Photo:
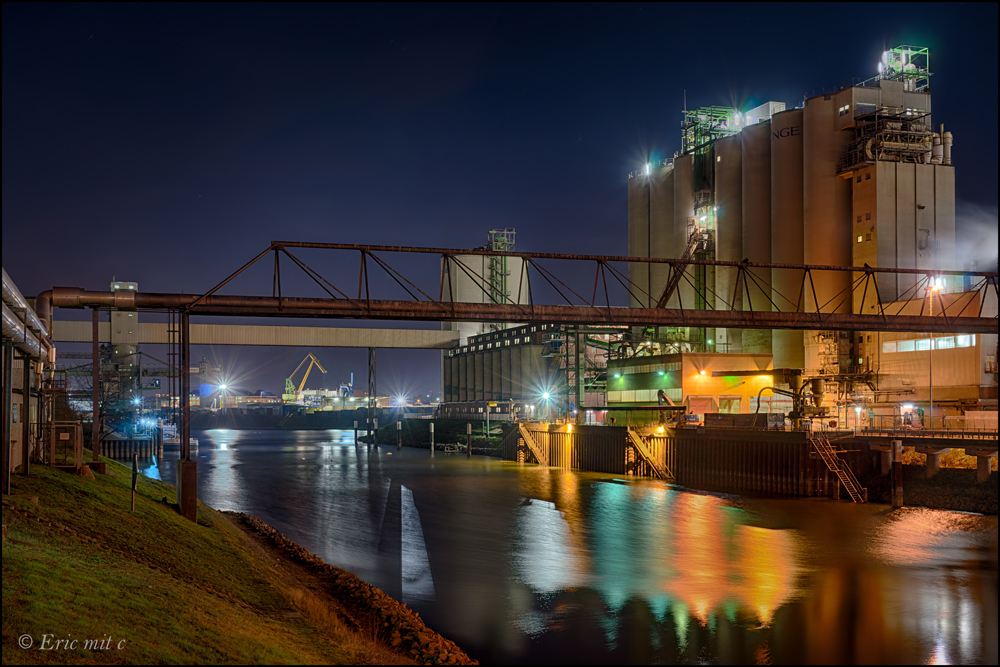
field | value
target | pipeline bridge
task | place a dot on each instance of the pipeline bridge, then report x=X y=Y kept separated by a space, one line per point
x=544 y=294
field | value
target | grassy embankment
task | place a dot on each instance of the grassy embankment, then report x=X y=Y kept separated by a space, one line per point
x=416 y=433
x=78 y=565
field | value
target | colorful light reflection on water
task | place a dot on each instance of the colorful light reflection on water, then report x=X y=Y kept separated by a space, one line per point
x=530 y=565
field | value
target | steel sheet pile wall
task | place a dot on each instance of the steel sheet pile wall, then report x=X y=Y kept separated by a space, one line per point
x=767 y=463
x=589 y=448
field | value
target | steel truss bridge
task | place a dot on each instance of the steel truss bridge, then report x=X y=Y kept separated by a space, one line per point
x=857 y=307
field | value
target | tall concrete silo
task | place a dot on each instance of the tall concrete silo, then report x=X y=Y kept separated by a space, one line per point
x=756 y=169
x=479 y=279
x=729 y=232
x=826 y=223
x=683 y=216
x=786 y=228
x=638 y=238
x=661 y=227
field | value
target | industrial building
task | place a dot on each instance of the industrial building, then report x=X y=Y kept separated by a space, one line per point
x=859 y=174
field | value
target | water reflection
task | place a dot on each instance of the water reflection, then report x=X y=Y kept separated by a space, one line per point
x=522 y=564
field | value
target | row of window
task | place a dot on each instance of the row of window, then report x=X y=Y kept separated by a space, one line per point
x=868 y=216
x=643 y=395
x=945 y=343
x=868 y=177
x=647 y=368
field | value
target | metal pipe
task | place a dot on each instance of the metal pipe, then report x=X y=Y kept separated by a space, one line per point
x=16 y=331
x=13 y=298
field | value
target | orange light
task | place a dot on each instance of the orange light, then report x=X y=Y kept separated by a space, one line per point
x=701 y=372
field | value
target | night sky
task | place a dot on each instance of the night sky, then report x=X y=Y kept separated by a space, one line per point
x=167 y=144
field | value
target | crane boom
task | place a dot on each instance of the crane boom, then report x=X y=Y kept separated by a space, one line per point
x=290 y=389
x=306 y=376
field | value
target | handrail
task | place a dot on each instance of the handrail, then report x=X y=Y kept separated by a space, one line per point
x=541 y=457
x=637 y=441
x=840 y=468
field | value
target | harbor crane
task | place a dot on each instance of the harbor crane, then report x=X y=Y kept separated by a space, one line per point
x=292 y=393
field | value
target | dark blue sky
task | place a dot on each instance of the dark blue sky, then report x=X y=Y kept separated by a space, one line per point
x=168 y=143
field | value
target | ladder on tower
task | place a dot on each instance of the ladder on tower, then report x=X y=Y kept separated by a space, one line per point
x=828 y=453
x=675 y=276
x=540 y=456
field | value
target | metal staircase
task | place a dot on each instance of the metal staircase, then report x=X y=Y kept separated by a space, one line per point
x=695 y=239
x=640 y=446
x=828 y=453
x=540 y=456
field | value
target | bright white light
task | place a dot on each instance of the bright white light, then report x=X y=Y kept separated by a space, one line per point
x=647 y=170
x=222 y=387
x=880 y=67
x=908 y=406
x=703 y=218
x=136 y=400
x=545 y=396
x=858 y=410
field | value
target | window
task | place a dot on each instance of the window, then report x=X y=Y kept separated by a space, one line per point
x=859 y=178
x=860 y=239
x=923 y=344
x=859 y=218
x=868 y=216
x=889 y=346
x=965 y=340
x=868 y=176
x=945 y=343
x=904 y=346
x=718 y=158
x=868 y=236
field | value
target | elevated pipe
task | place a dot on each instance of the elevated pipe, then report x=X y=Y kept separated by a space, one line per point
x=13 y=298
x=264 y=306
x=15 y=330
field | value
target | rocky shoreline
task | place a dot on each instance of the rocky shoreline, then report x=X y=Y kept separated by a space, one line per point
x=400 y=627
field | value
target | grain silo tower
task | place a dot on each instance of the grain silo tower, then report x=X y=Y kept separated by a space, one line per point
x=855 y=175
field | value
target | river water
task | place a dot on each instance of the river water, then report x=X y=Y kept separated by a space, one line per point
x=519 y=564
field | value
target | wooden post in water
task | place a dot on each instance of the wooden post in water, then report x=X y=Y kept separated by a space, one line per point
x=399 y=435
x=432 y=439
x=468 y=437
x=355 y=431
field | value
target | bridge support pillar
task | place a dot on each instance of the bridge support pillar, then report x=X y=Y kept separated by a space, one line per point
x=897 y=473
x=885 y=458
x=984 y=461
x=983 y=468
x=187 y=489
x=432 y=438
x=933 y=464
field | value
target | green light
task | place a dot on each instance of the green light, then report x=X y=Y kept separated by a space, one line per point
x=618 y=375
x=660 y=372
x=710 y=341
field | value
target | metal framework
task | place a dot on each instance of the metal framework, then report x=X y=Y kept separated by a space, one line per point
x=844 y=311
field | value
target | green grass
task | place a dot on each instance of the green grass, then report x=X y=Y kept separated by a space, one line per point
x=175 y=591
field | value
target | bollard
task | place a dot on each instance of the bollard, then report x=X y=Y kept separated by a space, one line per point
x=432 y=438
x=399 y=435
x=897 y=473
x=468 y=436
x=375 y=433
x=355 y=431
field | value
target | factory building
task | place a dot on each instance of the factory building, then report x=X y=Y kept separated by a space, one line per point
x=857 y=175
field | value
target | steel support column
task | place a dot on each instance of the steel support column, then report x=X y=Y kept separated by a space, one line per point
x=185 y=397
x=8 y=397
x=95 y=427
x=25 y=412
